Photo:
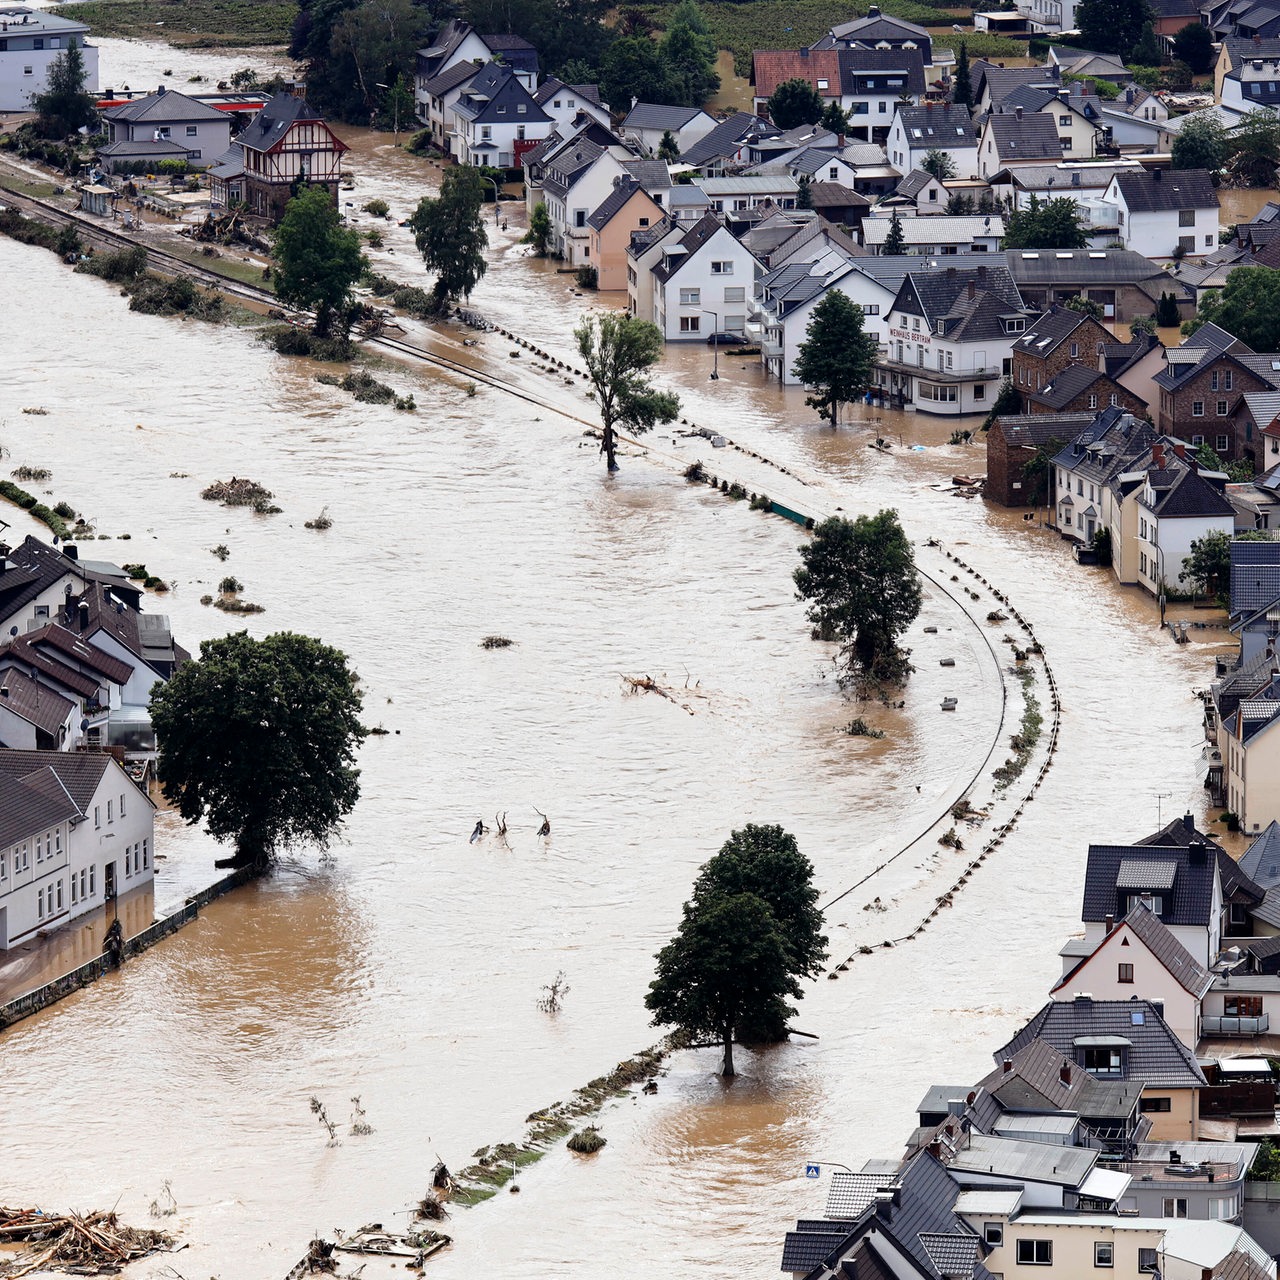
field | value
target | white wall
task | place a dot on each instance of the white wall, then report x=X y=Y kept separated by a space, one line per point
x=24 y=72
x=697 y=274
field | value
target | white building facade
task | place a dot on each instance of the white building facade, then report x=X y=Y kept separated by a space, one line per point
x=30 y=41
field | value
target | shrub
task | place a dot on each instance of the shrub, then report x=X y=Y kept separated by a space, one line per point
x=378 y=208
x=230 y=585
x=31 y=473
x=587 y=1141
x=587 y=276
x=367 y=389
x=119 y=266
x=291 y=341
x=65 y=510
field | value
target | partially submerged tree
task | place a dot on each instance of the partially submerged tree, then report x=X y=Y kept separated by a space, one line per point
x=619 y=350
x=859 y=578
x=258 y=737
x=64 y=107
x=318 y=260
x=539 y=233
x=795 y=102
x=836 y=357
x=1254 y=145
x=450 y=235
x=1208 y=568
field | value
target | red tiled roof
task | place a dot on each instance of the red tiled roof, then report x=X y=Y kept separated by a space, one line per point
x=770 y=67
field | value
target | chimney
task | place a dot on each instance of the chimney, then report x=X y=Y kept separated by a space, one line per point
x=804 y=53
x=885 y=1200
x=935 y=1149
x=160 y=92
x=1157 y=456
x=973 y=292
x=1197 y=853
x=951 y=271
x=1007 y=1065
x=1129 y=96
x=84 y=615
x=1179 y=450
x=1110 y=923
x=1188 y=822
x=1017 y=111
x=1064 y=1073
x=1257 y=42
x=1077 y=89
x=1082 y=998
x=982 y=274
x=1157 y=175
x=71 y=551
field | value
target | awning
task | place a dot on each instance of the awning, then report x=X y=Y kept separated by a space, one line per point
x=1244 y=1066
x=1105 y=1184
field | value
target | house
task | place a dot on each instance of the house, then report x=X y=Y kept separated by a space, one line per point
x=1087 y=65
x=1166 y=214
x=1141 y=955
x=1123 y=283
x=35 y=579
x=565 y=103
x=459 y=44
x=933 y=127
x=879 y=31
x=938 y=236
x=702 y=283
x=1124 y=1040
x=226 y=178
x=538 y=159
x=919 y=194
x=1082 y=181
x=439 y=95
x=1011 y=138
x=1255 y=595
x=1081 y=388
x=874 y=81
x=75 y=832
x=497 y=119
x=735 y=194
x=30 y=42
x=1081 y=473
x=726 y=146
x=1016 y=440
x=1250 y=749
x=1054 y=341
x=1254 y=82
x=687 y=203
x=287 y=143
x=647 y=122
x=950 y=331
x=837 y=204
x=1078 y=116
x=1202 y=386
x=1234 y=50
x=165 y=125
x=818 y=68
x=627 y=208
x=575 y=182
x=993 y=82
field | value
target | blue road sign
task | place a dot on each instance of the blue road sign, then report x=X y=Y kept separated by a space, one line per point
x=813 y=1171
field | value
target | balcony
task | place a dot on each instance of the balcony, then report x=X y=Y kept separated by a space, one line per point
x=930 y=373
x=771 y=350
x=1234 y=1026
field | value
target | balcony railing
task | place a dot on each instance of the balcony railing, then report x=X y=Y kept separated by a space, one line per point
x=1233 y=1026
x=933 y=374
x=771 y=350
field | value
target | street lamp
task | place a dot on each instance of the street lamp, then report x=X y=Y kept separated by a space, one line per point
x=715 y=345
x=1160 y=584
x=387 y=87
x=493 y=182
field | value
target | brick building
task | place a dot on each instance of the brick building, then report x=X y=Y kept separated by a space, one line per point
x=1014 y=441
x=1081 y=389
x=1055 y=340
x=1202 y=387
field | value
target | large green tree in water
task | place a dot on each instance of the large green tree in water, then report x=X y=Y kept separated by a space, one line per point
x=318 y=260
x=258 y=738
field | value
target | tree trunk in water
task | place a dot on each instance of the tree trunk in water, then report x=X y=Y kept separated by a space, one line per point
x=324 y=318
x=727 y=1069
x=610 y=446
x=835 y=414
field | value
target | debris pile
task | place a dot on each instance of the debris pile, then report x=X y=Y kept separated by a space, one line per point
x=238 y=492
x=84 y=1245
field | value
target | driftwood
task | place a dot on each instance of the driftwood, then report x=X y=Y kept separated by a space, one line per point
x=647 y=684
x=545 y=829
x=64 y=1242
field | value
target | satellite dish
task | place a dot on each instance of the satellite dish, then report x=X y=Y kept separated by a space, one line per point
x=84 y=724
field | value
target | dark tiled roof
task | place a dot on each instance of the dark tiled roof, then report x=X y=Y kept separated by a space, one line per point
x=857 y=64
x=1027 y=137
x=878 y=26
x=23 y=652
x=1188 y=493
x=1073 y=381
x=724 y=139
x=1036 y=429
x=944 y=295
x=68 y=644
x=33 y=700
x=1040 y=1077
x=804 y=1250
x=79 y=772
x=30 y=569
x=564 y=169
x=166 y=107
x=1157 y=192
x=827 y=195
x=1002 y=81
x=1189 y=903
x=1159 y=940
x=1156 y=1057
x=496 y=94
x=940 y=126
x=1083 y=266
x=275 y=119
x=457 y=74
x=652 y=115
x=691 y=242
x=1261 y=861
x=1049 y=331
x=26 y=810
x=613 y=203
x=652 y=175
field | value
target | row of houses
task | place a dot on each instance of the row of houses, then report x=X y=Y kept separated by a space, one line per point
x=78 y=664
x=1109 y=1135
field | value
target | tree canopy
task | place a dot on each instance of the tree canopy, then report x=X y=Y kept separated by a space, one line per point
x=633 y=68
x=1147 y=51
x=835 y=117
x=836 y=358
x=1255 y=149
x=939 y=164
x=895 y=242
x=619 y=350
x=859 y=578
x=569 y=37
x=1248 y=306
x=318 y=260
x=1193 y=44
x=689 y=55
x=258 y=737
x=795 y=102
x=1201 y=143
x=1208 y=568
x=1112 y=26
x=750 y=930
x=64 y=107
x=450 y=235
x=1047 y=224
x=962 y=83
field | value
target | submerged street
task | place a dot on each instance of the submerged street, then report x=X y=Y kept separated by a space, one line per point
x=404 y=967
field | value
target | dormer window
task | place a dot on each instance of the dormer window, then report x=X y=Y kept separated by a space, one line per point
x=1015 y=326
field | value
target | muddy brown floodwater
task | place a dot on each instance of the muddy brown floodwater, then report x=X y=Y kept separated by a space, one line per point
x=405 y=967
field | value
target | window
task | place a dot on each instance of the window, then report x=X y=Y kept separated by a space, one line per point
x=1113 y=399
x=735 y=294
x=1148 y=1260
x=1186 y=217
x=1208 y=242
x=1156 y=903
x=145 y=856
x=822 y=84
x=1155 y=1104
x=165 y=132
x=57 y=841
x=122 y=804
x=74 y=896
x=83 y=881
x=193 y=131
x=690 y=324
x=110 y=808
x=1075 y=350
x=1242 y=1006
x=1222 y=413
x=1197 y=408
x=579 y=217
x=38 y=42
x=39 y=904
x=1104 y=1253
x=1175 y=1207
x=26 y=71
x=556 y=104
x=915 y=323
x=1187 y=243
x=1197 y=441
x=1064 y=122
x=4 y=866
x=1102 y=1062
x=1224 y=443
x=980 y=391
x=1125 y=973
x=1079 y=487
x=993 y=1233
x=1221 y=1207
x=1213 y=381
x=39 y=848
x=1093 y=402
x=1142 y=567
x=722 y=268
x=1226 y=380
x=93 y=875
x=97 y=817
x=690 y=297
x=486 y=132
x=1014 y=326
x=939 y=395
x=1035 y=1253
x=59 y=895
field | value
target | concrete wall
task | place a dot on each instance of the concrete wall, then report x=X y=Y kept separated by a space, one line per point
x=24 y=72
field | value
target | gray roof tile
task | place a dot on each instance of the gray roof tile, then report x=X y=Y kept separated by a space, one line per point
x=1155 y=191
x=1261 y=861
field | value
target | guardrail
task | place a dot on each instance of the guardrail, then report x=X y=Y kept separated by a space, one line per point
x=77 y=979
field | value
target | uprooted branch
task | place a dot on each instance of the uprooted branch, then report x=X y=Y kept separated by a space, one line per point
x=72 y=1241
x=647 y=684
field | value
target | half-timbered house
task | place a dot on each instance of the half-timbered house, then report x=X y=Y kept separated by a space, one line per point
x=286 y=146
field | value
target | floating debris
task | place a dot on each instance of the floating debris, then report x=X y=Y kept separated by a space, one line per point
x=237 y=492
x=85 y=1245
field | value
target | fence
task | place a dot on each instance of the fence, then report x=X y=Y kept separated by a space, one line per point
x=51 y=992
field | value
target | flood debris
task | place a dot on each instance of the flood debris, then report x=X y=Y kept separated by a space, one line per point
x=555 y=991
x=240 y=492
x=647 y=684
x=87 y=1244
x=587 y=1142
x=321 y=522
x=545 y=829
x=496 y=642
x=372 y=1239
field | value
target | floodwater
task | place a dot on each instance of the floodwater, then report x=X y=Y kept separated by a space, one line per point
x=405 y=967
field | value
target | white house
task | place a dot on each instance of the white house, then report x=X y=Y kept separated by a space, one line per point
x=1017 y=137
x=1163 y=214
x=165 y=125
x=732 y=195
x=30 y=40
x=646 y=123
x=935 y=236
x=497 y=119
x=460 y=44
x=437 y=97
x=950 y=332
x=703 y=282
x=932 y=127
x=574 y=185
x=644 y=252
x=75 y=832
x=564 y=103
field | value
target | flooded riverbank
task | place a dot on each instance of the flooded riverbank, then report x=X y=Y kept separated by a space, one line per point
x=405 y=969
